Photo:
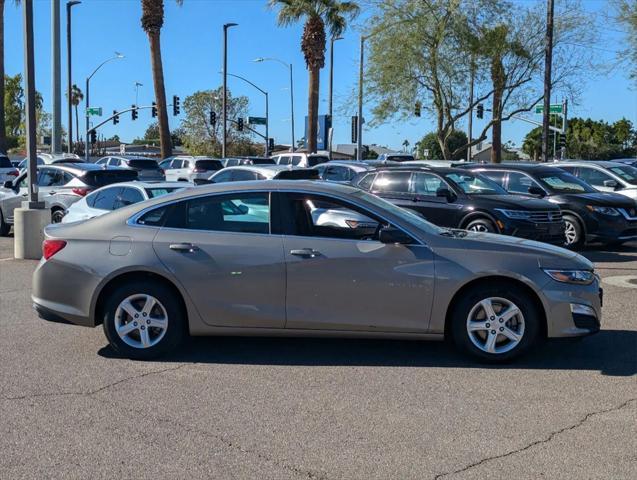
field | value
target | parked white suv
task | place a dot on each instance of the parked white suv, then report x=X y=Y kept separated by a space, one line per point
x=7 y=170
x=605 y=176
x=189 y=169
x=305 y=160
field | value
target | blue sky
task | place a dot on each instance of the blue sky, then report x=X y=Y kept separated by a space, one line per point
x=192 y=54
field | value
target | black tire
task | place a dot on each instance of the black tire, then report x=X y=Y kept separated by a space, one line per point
x=481 y=225
x=57 y=214
x=520 y=298
x=4 y=227
x=175 y=331
x=578 y=239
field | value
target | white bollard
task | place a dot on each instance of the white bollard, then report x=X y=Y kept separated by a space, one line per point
x=28 y=232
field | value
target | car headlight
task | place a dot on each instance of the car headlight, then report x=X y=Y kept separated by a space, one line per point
x=519 y=214
x=604 y=210
x=578 y=277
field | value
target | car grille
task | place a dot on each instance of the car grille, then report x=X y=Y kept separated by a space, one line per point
x=550 y=216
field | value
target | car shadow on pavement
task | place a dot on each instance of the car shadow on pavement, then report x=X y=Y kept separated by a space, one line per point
x=612 y=255
x=612 y=352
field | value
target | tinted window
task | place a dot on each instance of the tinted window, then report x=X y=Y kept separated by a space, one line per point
x=241 y=213
x=114 y=162
x=593 y=177
x=284 y=160
x=366 y=181
x=208 y=164
x=313 y=160
x=318 y=216
x=128 y=196
x=224 y=176
x=243 y=175
x=101 y=178
x=156 y=217
x=337 y=174
x=563 y=182
x=427 y=184
x=399 y=158
x=177 y=164
x=165 y=164
x=392 y=182
x=51 y=178
x=519 y=183
x=5 y=162
x=627 y=173
x=90 y=199
x=102 y=161
x=474 y=185
x=158 y=192
x=296 y=159
x=143 y=164
x=105 y=199
x=497 y=177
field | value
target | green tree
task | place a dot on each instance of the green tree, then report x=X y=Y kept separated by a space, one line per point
x=626 y=16
x=456 y=141
x=152 y=132
x=76 y=98
x=318 y=14
x=200 y=137
x=152 y=21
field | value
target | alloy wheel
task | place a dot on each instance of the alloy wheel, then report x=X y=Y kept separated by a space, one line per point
x=141 y=321
x=479 y=227
x=57 y=216
x=570 y=232
x=495 y=325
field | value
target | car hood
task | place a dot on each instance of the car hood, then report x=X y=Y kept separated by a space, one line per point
x=514 y=202
x=602 y=199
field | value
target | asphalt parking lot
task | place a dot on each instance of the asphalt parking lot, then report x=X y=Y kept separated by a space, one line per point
x=320 y=409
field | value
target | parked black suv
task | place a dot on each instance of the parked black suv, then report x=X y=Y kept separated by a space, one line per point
x=456 y=198
x=590 y=216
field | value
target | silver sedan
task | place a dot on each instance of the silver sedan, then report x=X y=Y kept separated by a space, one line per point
x=252 y=258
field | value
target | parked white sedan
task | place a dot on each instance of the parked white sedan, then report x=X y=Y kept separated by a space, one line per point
x=119 y=195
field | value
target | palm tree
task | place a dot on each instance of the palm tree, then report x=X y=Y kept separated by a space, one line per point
x=318 y=14
x=152 y=21
x=76 y=98
x=3 y=133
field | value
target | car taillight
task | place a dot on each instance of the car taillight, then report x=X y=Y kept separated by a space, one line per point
x=80 y=191
x=51 y=247
x=199 y=170
x=162 y=172
x=13 y=173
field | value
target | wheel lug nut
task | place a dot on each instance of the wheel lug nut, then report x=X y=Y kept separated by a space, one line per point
x=135 y=323
x=143 y=327
x=137 y=315
x=488 y=325
x=148 y=322
x=501 y=320
x=492 y=331
x=502 y=329
x=492 y=318
x=143 y=314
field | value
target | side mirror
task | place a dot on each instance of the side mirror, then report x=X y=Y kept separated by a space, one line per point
x=8 y=184
x=393 y=235
x=446 y=193
x=535 y=190
x=612 y=184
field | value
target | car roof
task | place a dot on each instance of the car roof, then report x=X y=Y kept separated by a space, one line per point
x=266 y=170
x=80 y=167
x=520 y=166
x=148 y=184
x=348 y=163
x=131 y=157
x=419 y=168
x=599 y=163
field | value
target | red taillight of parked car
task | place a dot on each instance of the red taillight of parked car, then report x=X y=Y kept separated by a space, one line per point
x=82 y=192
x=13 y=173
x=51 y=247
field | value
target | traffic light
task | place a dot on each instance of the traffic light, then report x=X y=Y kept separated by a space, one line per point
x=271 y=144
x=562 y=140
x=93 y=137
x=354 y=129
x=134 y=113
x=480 y=111
x=154 y=110
x=213 y=118
x=417 y=108
x=175 y=105
x=115 y=117
x=240 y=124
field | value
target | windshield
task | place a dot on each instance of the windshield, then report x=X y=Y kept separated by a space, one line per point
x=475 y=185
x=563 y=182
x=404 y=214
x=626 y=173
x=158 y=192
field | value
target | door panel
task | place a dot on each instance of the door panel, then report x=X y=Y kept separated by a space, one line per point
x=234 y=279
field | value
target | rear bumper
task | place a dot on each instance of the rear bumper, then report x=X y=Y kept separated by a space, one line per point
x=59 y=314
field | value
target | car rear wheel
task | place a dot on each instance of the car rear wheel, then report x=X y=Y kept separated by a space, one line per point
x=143 y=320
x=573 y=232
x=482 y=225
x=57 y=215
x=4 y=227
x=495 y=324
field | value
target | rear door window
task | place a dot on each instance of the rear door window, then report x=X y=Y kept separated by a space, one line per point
x=593 y=176
x=427 y=184
x=366 y=182
x=128 y=196
x=50 y=177
x=243 y=175
x=520 y=183
x=313 y=160
x=392 y=182
x=106 y=199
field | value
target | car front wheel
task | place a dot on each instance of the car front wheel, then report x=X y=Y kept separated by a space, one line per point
x=482 y=225
x=143 y=320
x=495 y=324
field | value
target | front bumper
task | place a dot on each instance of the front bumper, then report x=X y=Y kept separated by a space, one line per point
x=572 y=310
x=552 y=232
x=606 y=229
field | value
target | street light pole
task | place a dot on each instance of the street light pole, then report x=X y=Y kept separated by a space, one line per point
x=331 y=86
x=471 y=82
x=69 y=86
x=56 y=130
x=359 y=124
x=267 y=118
x=88 y=103
x=224 y=107
x=548 y=58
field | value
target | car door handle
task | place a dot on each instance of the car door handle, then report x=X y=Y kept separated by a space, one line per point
x=305 y=252
x=184 y=247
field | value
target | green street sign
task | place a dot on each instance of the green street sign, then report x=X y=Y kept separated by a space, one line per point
x=555 y=108
x=94 y=111
x=256 y=120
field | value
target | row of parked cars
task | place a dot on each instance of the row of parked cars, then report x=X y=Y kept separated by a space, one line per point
x=565 y=203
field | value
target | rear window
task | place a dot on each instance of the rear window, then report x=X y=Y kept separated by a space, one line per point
x=100 y=178
x=400 y=158
x=143 y=164
x=158 y=192
x=5 y=162
x=262 y=161
x=300 y=174
x=313 y=160
x=209 y=164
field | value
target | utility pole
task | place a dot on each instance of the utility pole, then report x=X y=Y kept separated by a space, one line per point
x=548 y=58
x=69 y=86
x=224 y=107
x=359 y=133
x=471 y=82
x=56 y=84
x=331 y=89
